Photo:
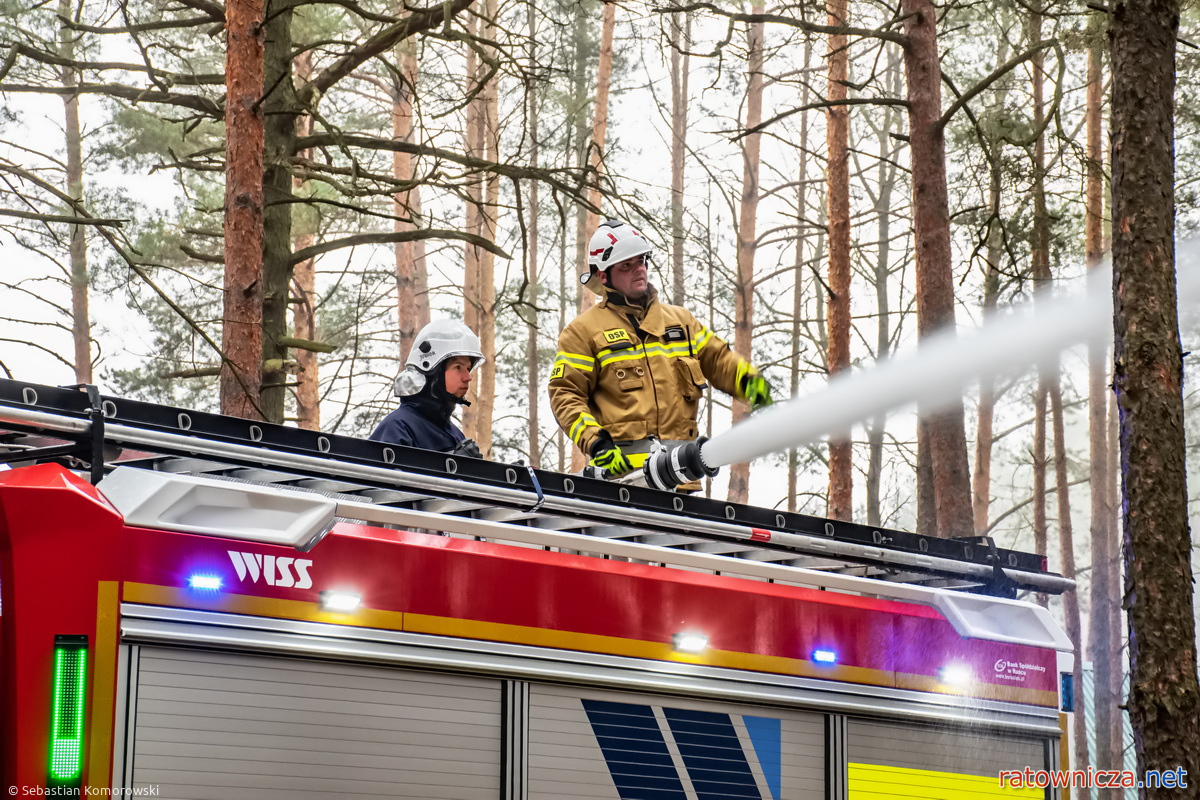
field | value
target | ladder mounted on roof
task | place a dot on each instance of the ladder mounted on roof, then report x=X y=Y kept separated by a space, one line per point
x=79 y=426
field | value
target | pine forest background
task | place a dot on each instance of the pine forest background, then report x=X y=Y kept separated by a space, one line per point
x=451 y=160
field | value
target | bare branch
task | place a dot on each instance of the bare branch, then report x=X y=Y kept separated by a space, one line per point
x=417 y=22
x=996 y=74
x=850 y=101
x=131 y=93
x=547 y=176
x=207 y=258
x=800 y=24
x=164 y=24
x=392 y=237
x=73 y=220
x=305 y=344
x=181 y=78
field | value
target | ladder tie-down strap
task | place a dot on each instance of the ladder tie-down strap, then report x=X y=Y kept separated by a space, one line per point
x=537 y=487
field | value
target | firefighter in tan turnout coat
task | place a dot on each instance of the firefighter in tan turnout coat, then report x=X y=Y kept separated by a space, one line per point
x=632 y=368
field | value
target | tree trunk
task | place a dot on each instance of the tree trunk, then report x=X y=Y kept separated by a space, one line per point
x=565 y=279
x=280 y=111
x=681 y=36
x=412 y=297
x=582 y=154
x=1040 y=268
x=485 y=381
x=883 y=332
x=981 y=476
x=1040 y=543
x=1104 y=594
x=926 y=505
x=1164 y=698
x=798 y=280
x=1119 y=744
x=841 y=478
x=1066 y=543
x=474 y=146
x=1119 y=654
x=304 y=294
x=242 y=332
x=747 y=236
x=533 y=368
x=81 y=327
x=946 y=438
x=595 y=153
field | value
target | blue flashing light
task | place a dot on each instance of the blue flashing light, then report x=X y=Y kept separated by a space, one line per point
x=202 y=581
x=824 y=656
x=1068 y=692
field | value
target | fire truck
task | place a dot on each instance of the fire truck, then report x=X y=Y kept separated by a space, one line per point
x=197 y=606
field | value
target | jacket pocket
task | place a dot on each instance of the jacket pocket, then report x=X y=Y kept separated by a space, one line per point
x=690 y=373
x=631 y=378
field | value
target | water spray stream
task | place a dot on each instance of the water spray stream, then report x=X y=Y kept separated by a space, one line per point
x=937 y=373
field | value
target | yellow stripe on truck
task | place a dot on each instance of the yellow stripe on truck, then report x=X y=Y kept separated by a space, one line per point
x=877 y=782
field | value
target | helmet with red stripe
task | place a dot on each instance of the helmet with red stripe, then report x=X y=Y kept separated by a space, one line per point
x=613 y=242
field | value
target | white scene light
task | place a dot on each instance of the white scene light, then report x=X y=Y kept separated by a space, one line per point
x=956 y=675
x=343 y=602
x=205 y=582
x=689 y=642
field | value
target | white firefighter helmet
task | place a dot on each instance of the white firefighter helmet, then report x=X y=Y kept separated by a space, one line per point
x=439 y=340
x=613 y=242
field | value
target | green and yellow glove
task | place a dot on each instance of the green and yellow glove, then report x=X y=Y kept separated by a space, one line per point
x=608 y=457
x=753 y=387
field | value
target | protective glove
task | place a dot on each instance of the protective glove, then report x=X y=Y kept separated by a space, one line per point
x=753 y=387
x=467 y=447
x=608 y=457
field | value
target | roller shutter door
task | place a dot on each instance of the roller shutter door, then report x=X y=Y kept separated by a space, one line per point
x=892 y=761
x=231 y=725
x=616 y=746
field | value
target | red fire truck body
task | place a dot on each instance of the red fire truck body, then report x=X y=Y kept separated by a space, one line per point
x=477 y=659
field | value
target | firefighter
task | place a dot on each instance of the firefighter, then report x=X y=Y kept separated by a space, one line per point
x=631 y=368
x=434 y=381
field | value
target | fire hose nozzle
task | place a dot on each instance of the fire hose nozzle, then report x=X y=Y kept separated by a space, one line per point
x=667 y=468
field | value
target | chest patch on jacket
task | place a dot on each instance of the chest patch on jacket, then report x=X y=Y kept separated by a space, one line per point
x=675 y=333
x=617 y=335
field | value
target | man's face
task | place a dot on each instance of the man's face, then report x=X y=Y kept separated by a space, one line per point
x=458 y=376
x=629 y=277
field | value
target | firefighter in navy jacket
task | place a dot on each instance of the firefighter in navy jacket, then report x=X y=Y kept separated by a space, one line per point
x=632 y=367
x=434 y=381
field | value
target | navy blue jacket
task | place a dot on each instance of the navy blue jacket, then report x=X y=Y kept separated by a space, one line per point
x=420 y=421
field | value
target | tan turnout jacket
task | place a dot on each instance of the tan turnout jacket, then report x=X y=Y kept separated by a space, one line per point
x=636 y=372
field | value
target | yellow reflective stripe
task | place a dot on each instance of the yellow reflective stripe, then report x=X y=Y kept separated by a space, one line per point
x=585 y=363
x=576 y=364
x=702 y=338
x=582 y=422
x=624 y=355
x=652 y=349
x=580 y=356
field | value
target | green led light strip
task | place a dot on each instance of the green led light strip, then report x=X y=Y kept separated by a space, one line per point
x=66 y=723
